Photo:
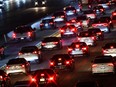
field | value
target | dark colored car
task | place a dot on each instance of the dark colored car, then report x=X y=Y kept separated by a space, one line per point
x=78 y=48
x=99 y=10
x=45 y=77
x=5 y=80
x=59 y=16
x=47 y=24
x=24 y=32
x=68 y=30
x=31 y=54
x=51 y=43
x=97 y=32
x=25 y=84
x=62 y=62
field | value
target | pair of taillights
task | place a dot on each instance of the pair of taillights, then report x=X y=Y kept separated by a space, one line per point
x=35 y=52
x=84 y=49
x=66 y=62
x=109 y=64
x=43 y=44
x=28 y=33
x=49 y=23
x=93 y=38
x=63 y=30
x=22 y=65
x=60 y=16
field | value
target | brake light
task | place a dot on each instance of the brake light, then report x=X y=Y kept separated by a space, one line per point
x=99 y=33
x=73 y=29
x=105 y=24
x=94 y=25
x=77 y=46
x=61 y=30
x=51 y=23
x=111 y=47
x=51 y=63
x=94 y=65
x=78 y=23
x=43 y=44
x=1 y=77
x=7 y=67
x=42 y=74
x=79 y=39
x=74 y=11
x=67 y=62
x=14 y=35
x=84 y=48
x=62 y=16
x=51 y=78
x=104 y=51
x=69 y=49
x=29 y=34
x=55 y=42
x=110 y=64
x=93 y=38
x=73 y=20
x=102 y=10
x=114 y=13
x=53 y=16
x=22 y=66
x=67 y=24
x=33 y=80
x=35 y=52
x=20 y=53
x=41 y=24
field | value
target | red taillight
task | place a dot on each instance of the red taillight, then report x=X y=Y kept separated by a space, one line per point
x=78 y=23
x=73 y=29
x=1 y=77
x=110 y=64
x=53 y=17
x=93 y=38
x=69 y=49
x=102 y=10
x=67 y=62
x=99 y=33
x=94 y=65
x=84 y=48
x=105 y=24
x=51 y=63
x=94 y=25
x=41 y=24
x=74 y=11
x=19 y=53
x=43 y=44
x=113 y=13
x=51 y=23
x=42 y=74
x=73 y=20
x=67 y=24
x=51 y=78
x=22 y=66
x=62 y=16
x=35 y=52
x=14 y=35
x=77 y=46
x=29 y=34
x=7 y=67
x=33 y=80
x=104 y=51
x=111 y=47
x=62 y=30
x=55 y=42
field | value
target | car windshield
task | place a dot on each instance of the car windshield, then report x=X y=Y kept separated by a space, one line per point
x=16 y=61
x=47 y=20
x=22 y=29
x=50 y=39
x=88 y=12
x=103 y=60
x=70 y=8
x=80 y=44
x=28 y=49
x=109 y=45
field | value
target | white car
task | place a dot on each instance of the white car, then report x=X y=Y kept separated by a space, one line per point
x=103 y=64
x=87 y=37
x=109 y=49
x=19 y=65
x=30 y=53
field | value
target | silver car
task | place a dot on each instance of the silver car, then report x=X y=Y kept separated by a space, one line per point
x=103 y=64
x=19 y=65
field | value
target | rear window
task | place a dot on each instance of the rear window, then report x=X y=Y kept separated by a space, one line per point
x=85 y=34
x=47 y=20
x=81 y=44
x=28 y=49
x=22 y=29
x=50 y=39
x=103 y=60
x=70 y=8
x=88 y=11
x=16 y=61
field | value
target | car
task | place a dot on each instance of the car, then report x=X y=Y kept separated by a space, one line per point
x=78 y=48
x=87 y=84
x=2 y=50
x=5 y=80
x=68 y=30
x=26 y=83
x=76 y=23
x=109 y=49
x=47 y=24
x=39 y=3
x=84 y=20
x=90 y=14
x=30 y=53
x=99 y=10
x=24 y=32
x=102 y=24
x=70 y=11
x=113 y=18
x=97 y=32
x=44 y=77
x=112 y=2
x=17 y=65
x=87 y=37
x=51 y=43
x=62 y=62
x=104 y=3
x=103 y=65
x=107 y=19
x=59 y=16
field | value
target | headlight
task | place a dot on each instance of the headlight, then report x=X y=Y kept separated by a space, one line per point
x=36 y=3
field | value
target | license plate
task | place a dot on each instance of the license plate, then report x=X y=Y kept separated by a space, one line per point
x=59 y=63
x=42 y=79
